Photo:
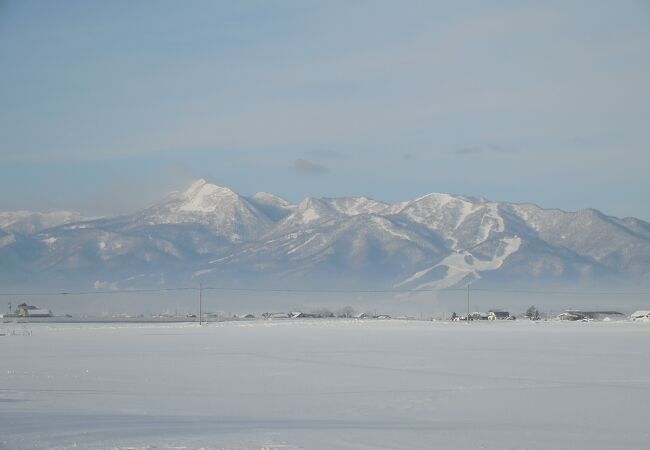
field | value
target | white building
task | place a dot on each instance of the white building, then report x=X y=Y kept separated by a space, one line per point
x=26 y=310
x=640 y=315
x=38 y=313
x=498 y=315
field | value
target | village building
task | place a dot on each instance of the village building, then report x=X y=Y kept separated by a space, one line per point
x=268 y=315
x=573 y=315
x=498 y=315
x=640 y=315
x=25 y=310
x=246 y=316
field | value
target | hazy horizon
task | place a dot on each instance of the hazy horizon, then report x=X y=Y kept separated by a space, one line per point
x=181 y=187
x=108 y=105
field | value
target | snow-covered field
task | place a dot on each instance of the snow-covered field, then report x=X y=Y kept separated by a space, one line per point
x=326 y=385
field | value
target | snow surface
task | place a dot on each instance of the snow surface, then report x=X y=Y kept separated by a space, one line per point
x=295 y=249
x=326 y=384
x=7 y=240
x=272 y=199
x=31 y=222
x=310 y=215
x=460 y=265
x=204 y=197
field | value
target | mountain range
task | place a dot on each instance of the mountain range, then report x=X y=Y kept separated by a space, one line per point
x=210 y=234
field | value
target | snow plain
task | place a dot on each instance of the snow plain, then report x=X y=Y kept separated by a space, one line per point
x=326 y=384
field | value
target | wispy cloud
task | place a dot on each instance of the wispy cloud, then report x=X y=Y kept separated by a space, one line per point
x=491 y=148
x=325 y=154
x=502 y=149
x=136 y=192
x=306 y=167
x=468 y=150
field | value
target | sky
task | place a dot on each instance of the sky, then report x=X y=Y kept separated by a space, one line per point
x=106 y=106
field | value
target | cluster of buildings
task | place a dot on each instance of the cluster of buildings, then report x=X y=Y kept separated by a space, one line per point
x=493 y=314
x=568 y=315
x=323 y=315
x=575 y=315
x=25 y=310
x=29 y=311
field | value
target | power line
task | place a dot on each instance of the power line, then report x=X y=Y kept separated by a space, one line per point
x=331 y=291
x=555 y=292
x=315 y=291
x=109 y=292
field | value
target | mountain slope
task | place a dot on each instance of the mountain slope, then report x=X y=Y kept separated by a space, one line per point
x=27 y=222
x=211 y=234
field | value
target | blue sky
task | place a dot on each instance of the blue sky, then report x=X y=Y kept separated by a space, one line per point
x=105 y=106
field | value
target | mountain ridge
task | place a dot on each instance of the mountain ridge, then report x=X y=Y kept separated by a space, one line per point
x=436 y=241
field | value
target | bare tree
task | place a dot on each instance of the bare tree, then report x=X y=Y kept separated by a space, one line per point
x=532 y=313
x=323 y=312
x=346 y=311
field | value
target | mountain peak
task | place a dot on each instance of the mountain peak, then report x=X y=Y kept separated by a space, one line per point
x=202 y=196
x=201 y=185
x=270 y=198
x=195 y=186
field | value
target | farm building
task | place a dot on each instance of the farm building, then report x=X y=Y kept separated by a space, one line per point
x=574 y=315
x=498 y=315
x=25 y=310
x=640 y=315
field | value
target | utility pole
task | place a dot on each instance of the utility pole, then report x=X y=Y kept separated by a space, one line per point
x=467 y=303
x=200 y=302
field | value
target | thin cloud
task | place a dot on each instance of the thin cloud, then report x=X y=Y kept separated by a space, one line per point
x=492 y=148
x=135 y=193
x=501 y=149
x=468 y=150
x=325 y=154
x=306 y=167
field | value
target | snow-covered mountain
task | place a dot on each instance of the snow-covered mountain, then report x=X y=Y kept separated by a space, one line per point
x=28 y=222
x=210 y=234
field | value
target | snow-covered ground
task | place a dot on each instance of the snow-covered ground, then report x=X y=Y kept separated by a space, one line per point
x=326 y=385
